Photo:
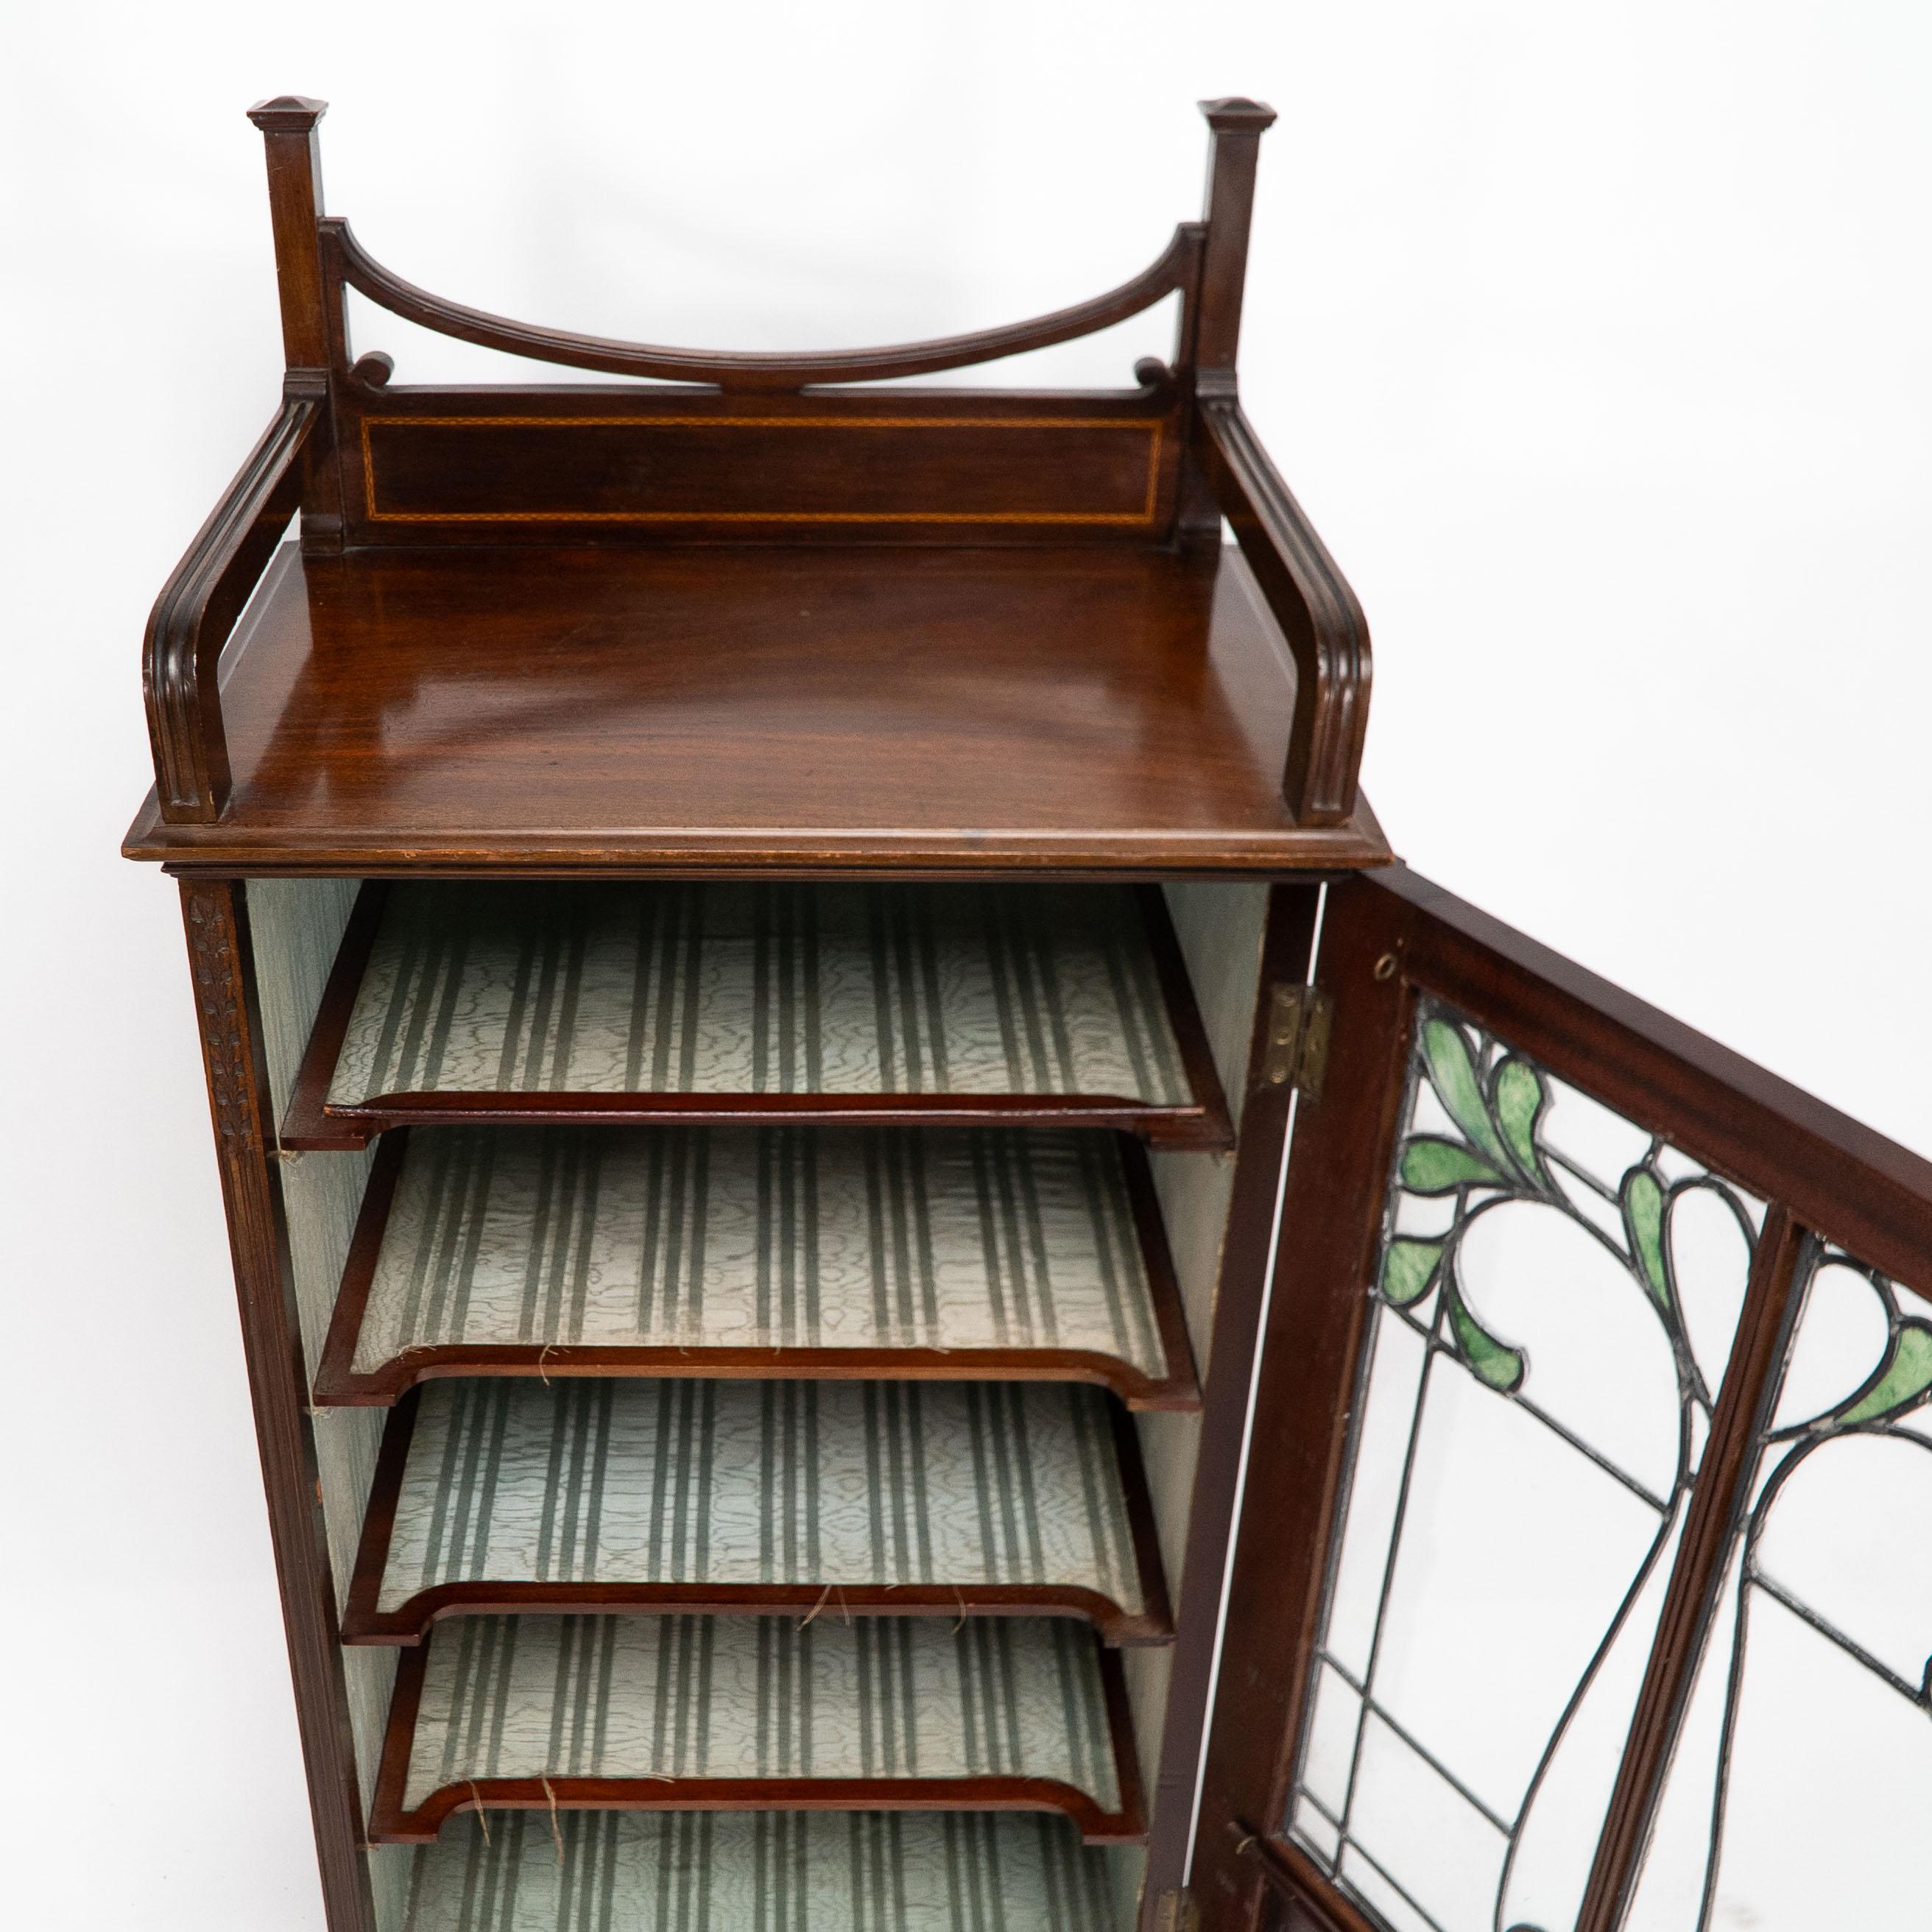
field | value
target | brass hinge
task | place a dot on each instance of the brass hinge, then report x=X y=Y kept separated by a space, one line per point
x=1176 y=1912
x=1299 y=1018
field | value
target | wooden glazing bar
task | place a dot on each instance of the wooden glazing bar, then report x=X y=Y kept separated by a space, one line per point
x=757 y=1713
x=1717 y=1506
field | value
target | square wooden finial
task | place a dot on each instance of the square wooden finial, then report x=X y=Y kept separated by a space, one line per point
x=287 y=114
x=1236 y=111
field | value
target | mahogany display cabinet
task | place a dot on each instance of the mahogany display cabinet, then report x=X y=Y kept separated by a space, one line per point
x=893 y=1278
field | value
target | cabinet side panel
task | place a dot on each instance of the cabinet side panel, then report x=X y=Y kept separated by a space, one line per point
x=297 y=924
x=228 y=1012
x=1219 y=928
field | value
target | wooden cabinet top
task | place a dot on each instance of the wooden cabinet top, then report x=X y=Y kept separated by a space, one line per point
x=750 y=614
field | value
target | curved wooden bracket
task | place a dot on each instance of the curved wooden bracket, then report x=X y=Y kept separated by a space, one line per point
x=196 y=610
x=1312 y=603
x=1177 y=268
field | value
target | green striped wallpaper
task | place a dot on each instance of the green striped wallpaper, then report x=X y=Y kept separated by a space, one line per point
x=854 y=1482
x=733 y=1697
x=731 y=989
x=730 y=1238
x=706 y=1871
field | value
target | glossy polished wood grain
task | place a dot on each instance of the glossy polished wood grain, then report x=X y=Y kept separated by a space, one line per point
x=196 y=611
x=1067 y=715
x=1073 y=711
x=657 y=466
x=1176 y=268
x=1311 y=600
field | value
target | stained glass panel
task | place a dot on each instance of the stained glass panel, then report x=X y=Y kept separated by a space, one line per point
x=1553 y=1305
x=1803 y=1778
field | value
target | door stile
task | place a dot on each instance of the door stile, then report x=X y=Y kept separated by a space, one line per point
x=1331 y=1222
x=1288 y=942
x=226 y=1011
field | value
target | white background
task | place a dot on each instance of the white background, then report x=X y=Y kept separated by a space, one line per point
x=1592 y=336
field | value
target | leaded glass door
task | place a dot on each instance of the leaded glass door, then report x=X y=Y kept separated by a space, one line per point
x=1583 y=1579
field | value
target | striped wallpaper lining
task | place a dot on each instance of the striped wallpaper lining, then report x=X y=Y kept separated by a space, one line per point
x=296 y=926
x=810 y=1482
x=750 y=1238
x=757 y=1871
x=736 y=988
x=770 y=1697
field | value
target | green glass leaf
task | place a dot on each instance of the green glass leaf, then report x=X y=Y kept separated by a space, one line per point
x=1643 y=1216
x=1452 y=1073
x=1908 y=1374
x=1500 y=1366
x=1408 y=1269
x=1518 y=1089
x=1431 y=1165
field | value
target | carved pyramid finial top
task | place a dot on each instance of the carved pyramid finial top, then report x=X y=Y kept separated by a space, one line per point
x=287 y=114
x=1236 y=111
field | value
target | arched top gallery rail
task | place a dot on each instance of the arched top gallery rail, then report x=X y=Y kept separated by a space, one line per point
x=730 y=453
x=1177 y=268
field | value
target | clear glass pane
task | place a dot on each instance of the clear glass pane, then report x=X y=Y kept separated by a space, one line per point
x=1433 y=1840
x=1557 y=1839
x=1802 y=1779
x=1330 y=1760
x=1842 y=1338
x=1317 y=1832
x=1381 y=1456
x=1515 y=1554
x=1392 y=1906
x=1553 y=1304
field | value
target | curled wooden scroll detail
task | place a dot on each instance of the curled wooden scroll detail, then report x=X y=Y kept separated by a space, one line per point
x=1312 y=602
x=196 y=610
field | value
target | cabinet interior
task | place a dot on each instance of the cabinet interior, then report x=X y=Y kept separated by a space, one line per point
x=298 y=928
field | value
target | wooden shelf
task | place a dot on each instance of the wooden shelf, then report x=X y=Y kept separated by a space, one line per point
x=960 y=1253
x=465 y=709
x=915 y=1004
x=752 y=1871
x=757 y=1713
x=955 y=1499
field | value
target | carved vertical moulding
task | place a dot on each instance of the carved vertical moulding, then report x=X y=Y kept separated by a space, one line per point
x=221 y=996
